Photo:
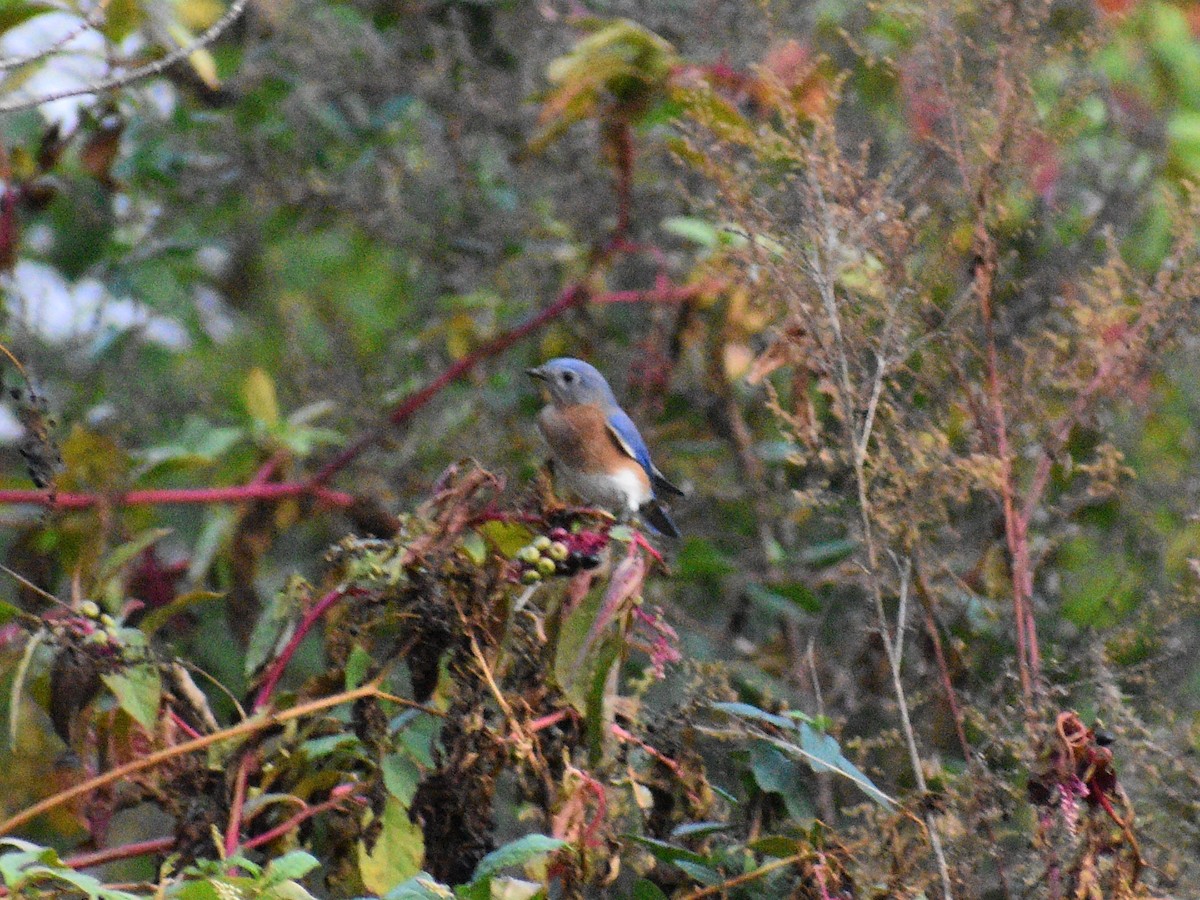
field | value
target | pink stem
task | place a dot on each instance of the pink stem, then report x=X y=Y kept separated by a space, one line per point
x=184 y=726
x=271 y=679
x=299 y=818
x=570 y=297
x=125 y=851
x=236 y=808
x=161 y=496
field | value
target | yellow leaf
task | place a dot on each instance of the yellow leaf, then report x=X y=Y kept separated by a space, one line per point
x=258 y=395
x=397 y=853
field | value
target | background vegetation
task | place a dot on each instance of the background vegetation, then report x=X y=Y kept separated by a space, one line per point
x=904 y=295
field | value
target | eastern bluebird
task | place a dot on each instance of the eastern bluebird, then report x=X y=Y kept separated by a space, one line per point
x=597 y=451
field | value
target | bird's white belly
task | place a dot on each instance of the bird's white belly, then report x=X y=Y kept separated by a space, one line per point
x=621 y=492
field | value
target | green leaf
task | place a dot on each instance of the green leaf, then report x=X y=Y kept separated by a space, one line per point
x=276 y=623
x=401 y=775
x=697 y=829
x=397 y=852
x=647 y=890
x=828 y=553
x=507 y=537
x=700 y=560
x=475 y=547
x=292 y=865
x=357 y=667
x=665 y=852
x=823 y=754
x=8 y=612
x=701 y=873
x=14 y=13
x=137 y=687
x=195 y=890
x=419 y=887
x=14 y=704
x=159 y=617
x=746 y=711
x=517 y=853
x=775 y=845
x=121 y=556
x=785 y=599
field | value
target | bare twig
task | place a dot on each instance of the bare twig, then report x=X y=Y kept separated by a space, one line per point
x=764 y=869
x=260 y=722
x=149 y=70
x=91 y=20
x=168 y=496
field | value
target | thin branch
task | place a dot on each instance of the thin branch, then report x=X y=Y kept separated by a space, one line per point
x=572 y=296
x=164 y=496
x=147 y=71
x=260 y=722
x=280 y=663
x=88 y=22
x=335 y=800
x=125 y=851
x=238 y=805
x=764 y=869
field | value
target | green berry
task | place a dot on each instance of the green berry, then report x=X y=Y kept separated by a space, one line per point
x=107 y=621
x=98 y=637
x=529 y=554
x=90 y=608
x=531 y=576
x=546 y=566
x=559 y=551
x=541 y=542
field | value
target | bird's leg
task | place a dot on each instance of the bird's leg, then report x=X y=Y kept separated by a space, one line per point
x=544 y=485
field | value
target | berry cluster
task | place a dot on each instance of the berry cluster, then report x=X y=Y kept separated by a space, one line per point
x=89 y=625
x=559 y=553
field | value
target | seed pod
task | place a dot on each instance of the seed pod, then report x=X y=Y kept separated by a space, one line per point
x=90 y=608
x=541 y=542
x=546 y=566
x=559 y=551
x=529 y=554
x=531 y=576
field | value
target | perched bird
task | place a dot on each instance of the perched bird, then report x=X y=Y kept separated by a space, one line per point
x=597 y=450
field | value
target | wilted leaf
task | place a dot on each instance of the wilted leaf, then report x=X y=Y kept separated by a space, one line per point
x=137 y=686
x=396 y=853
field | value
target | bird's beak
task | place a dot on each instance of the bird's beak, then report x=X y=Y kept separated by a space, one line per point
x=537 y=372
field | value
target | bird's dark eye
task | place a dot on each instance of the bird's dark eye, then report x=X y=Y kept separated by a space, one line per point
x=568 y=377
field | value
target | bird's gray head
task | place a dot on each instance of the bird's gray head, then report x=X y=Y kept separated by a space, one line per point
x=572 y=381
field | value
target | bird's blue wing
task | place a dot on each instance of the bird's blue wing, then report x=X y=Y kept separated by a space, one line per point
x=626 y=434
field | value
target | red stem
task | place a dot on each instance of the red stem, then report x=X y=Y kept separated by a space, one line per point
x=271 y=679
x=184 y=726
x=233 y=831
x=125 y=851
x=162 y=496
x=572 y=296
x=295 y=821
